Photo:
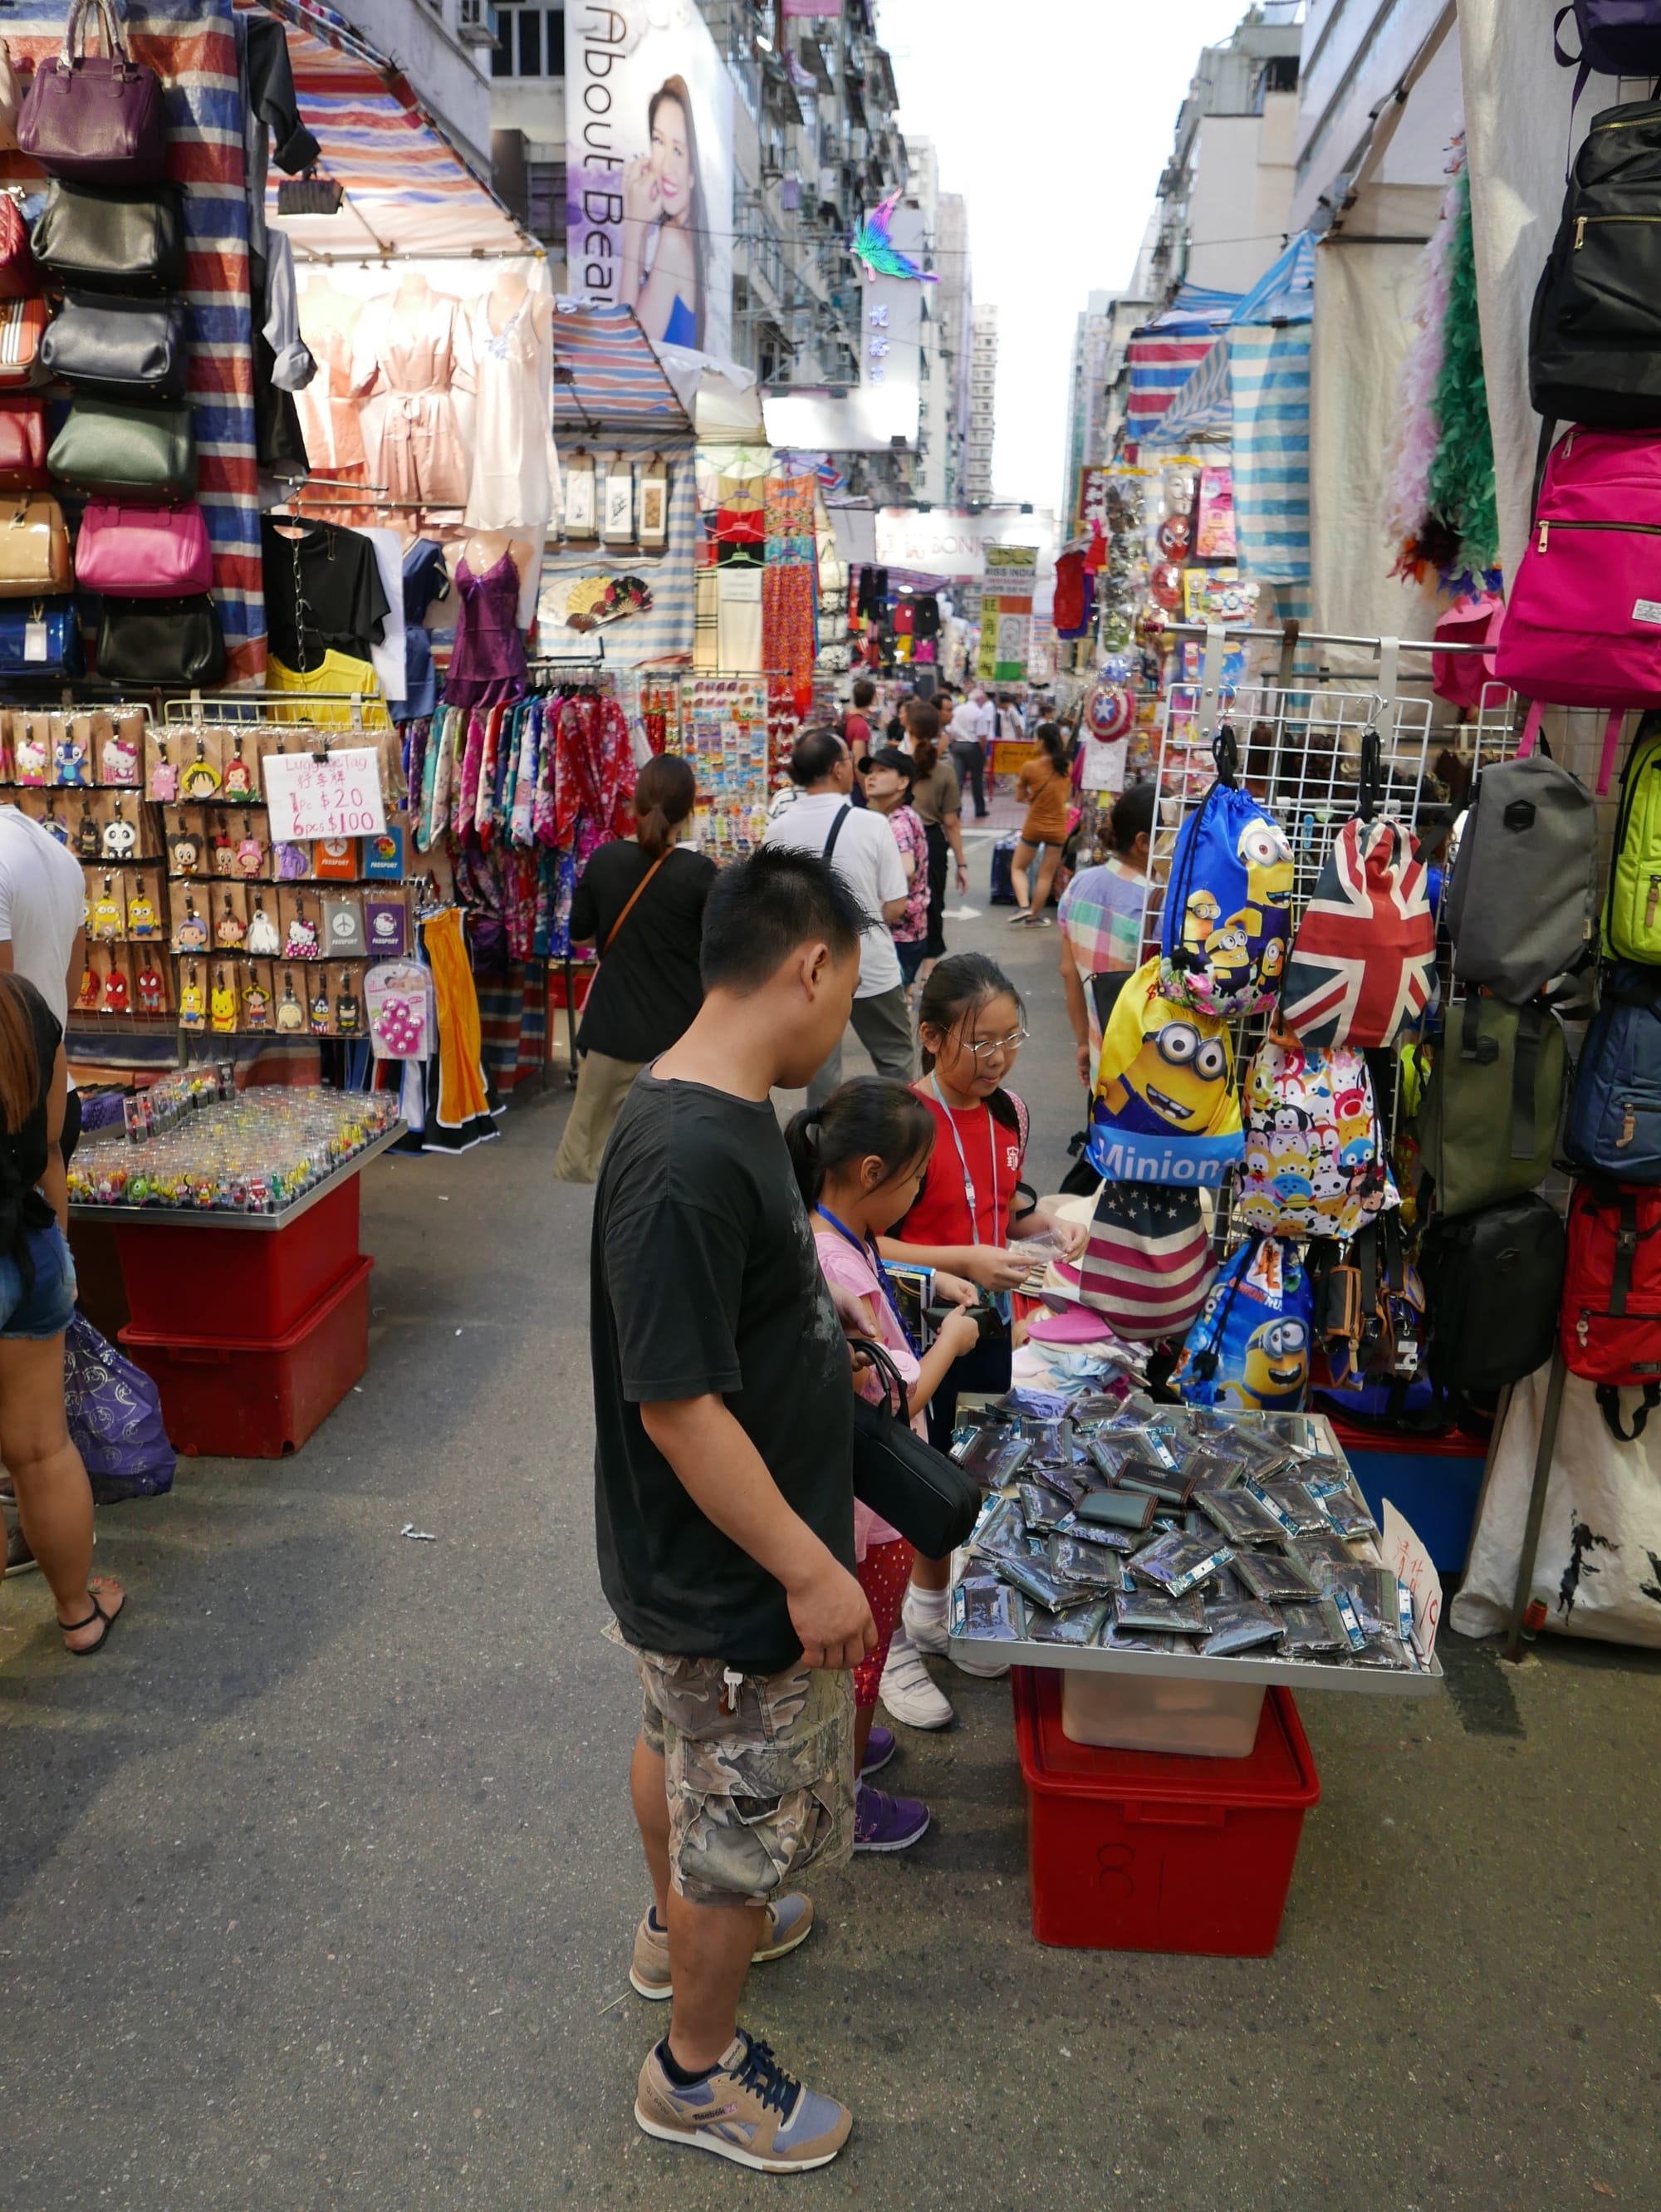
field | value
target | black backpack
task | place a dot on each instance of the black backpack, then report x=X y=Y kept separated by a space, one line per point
x=1493 y=1281
x=1594 y=337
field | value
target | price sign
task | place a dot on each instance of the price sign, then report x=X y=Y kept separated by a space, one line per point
x=336 y=796
x=1410 y=1563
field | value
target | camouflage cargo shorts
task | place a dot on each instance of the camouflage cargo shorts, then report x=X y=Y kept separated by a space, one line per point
x=758 y=1794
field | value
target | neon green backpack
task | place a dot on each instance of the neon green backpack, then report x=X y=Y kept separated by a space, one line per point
x=1632 y=918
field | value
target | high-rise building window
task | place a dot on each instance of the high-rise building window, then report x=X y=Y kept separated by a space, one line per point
x=530 y=41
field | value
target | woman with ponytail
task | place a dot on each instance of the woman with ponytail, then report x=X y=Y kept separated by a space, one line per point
x=640 y=903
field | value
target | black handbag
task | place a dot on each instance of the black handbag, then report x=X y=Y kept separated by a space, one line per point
x=120 y=349
x=169 y=643
x=110 y=241
x=917 y=1490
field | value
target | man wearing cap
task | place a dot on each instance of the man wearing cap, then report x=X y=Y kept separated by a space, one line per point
x=888 y=775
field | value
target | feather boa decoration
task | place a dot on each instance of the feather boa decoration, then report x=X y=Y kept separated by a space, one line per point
x=1417 y=430
x=1462 y=490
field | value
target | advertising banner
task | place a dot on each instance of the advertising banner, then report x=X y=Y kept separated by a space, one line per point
x=649 y=130
x=883 y=412
x=1006 y=613
x=1092 y=500
x=948 y=542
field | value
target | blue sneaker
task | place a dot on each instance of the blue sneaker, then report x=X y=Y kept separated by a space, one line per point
x=880 y=1750
x=882 y=1823
x=747 y=2108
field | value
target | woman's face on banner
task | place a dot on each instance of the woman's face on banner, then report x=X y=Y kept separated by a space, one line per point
x=670 y=159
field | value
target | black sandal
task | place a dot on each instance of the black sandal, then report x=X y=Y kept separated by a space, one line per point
x=71 y=1627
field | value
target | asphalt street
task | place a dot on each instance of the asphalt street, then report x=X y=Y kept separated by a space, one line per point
x=319 y=1886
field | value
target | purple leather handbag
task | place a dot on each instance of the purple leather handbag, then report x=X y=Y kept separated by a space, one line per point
x=91 y=118
x=143 y=552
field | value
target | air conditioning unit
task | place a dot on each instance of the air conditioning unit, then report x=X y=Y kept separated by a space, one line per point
x=474 y=23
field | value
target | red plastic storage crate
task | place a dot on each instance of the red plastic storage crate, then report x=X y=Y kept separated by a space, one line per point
x=252 y=1400
x=1147 y=1851
x=238 y=1286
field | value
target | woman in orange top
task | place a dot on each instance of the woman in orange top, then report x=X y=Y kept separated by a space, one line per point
x=1047 y=788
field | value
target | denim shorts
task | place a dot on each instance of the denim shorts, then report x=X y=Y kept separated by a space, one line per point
x=40 y=1309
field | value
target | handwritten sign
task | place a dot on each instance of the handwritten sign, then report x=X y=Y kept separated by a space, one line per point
x=1408 y=1561
x=338 y=796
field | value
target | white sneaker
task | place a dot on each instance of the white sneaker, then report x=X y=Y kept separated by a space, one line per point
x=909 y=1691
x=968 y=1661
x=924 y=1625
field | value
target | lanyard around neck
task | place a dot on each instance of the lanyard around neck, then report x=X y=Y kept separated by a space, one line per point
x=963 y=1161
x=879 y=1269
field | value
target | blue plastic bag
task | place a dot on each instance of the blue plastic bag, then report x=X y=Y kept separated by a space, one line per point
x=115 y=1419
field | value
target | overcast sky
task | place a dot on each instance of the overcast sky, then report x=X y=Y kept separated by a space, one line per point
x=1054 y=119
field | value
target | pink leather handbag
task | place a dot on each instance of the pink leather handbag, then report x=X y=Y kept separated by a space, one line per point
x=143 y=552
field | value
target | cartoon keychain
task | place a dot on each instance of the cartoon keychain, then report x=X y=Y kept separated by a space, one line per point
x=201 y=778
x=230 y=930
x=106 y=913
x=224 y=853
x=224 y=1003
x=290 y=1014
x=290 y=861
x=120 y=836
x=239 y=780
x=117 y=760
x=321 y=1020
x=250 y=853
x=346 y=1005
x=262 y=930
x=184 y=851
x=70 y=760
x=191 y=1012
x=86 y=840
x=191 y=933
x=54 y=824
x=256 y=1005
x=141 y=912
x=92 y=990
x=152 y=991
x=164 y=784
x=115 y=993
x=31 y=762
x=302 y=941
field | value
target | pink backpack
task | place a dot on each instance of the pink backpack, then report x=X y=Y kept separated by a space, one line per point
x=1583 y=628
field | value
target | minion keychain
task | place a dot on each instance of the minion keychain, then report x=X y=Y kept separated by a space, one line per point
x=224 y=1004
x=106 y=913
x=191 y=1011
x=202 y=778
x=141 y=912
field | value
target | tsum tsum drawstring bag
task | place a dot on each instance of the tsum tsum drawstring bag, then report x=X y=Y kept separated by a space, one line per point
x=1228 y=908
x=1165 y=1109
x=1314 y=1163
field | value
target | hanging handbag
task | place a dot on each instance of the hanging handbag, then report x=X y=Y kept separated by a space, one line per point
x=11 y=98
x=19 y=277
x=143 y=552
x=23 y=445
x=96 y=119
x=34 y=547
x=118 y=447
x=111 y=241
x=22 y=326
x=169 y=642
x=1488 y=1123
x=916 y=1489
x=120 y=349
x=39 y=637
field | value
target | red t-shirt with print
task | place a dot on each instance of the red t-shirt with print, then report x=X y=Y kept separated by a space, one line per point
x=994 y=1154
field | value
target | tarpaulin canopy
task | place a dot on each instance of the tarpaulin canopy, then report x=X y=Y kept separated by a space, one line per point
x=410 y=192
x=606 y=372
x=1164 y=355
x=1284 y=293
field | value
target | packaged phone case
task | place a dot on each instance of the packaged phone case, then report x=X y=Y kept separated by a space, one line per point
x=1081 y=1626
x=1311 y=1630
x=1230 y=1629
x=1087 y=1564
x=1033 y=1579
x=1347 y=1512
x=1242 y=1518
x=1292 y=1506
x=1321 y=1544
x=1042 y=1508
x=1272 y=1578
x=1179 y=1563
x=1100 y=1535
x=988 y=1613
x=1156 y=1614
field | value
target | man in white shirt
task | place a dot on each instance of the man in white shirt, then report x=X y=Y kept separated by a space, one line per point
x=966 y=735
x=859 y=844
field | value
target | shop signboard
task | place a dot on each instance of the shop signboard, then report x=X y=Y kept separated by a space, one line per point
x=1006 y=618
x=649 y=136
x=950 y=542
x=883 y=412
x=1092 y=500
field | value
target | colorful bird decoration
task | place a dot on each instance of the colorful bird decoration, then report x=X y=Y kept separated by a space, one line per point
x=871 y=244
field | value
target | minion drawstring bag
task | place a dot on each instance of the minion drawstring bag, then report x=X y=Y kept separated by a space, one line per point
x=1249 y=1350
x=1228 y=905
x=1166 y=1109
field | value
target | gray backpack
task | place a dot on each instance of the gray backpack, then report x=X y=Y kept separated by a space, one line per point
x=1522 y=906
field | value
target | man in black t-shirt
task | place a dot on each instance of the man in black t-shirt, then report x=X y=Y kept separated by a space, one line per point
x=723 y=1420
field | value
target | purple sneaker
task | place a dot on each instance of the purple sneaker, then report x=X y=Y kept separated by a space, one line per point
x=882 y=1823
x=880 y=1750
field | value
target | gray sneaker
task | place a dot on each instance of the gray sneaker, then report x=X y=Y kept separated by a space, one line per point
x=788 y=1923
x=747 y=2109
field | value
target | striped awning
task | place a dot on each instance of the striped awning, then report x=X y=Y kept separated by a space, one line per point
x=1160 y=367
x=606 y=374
x=410 y=191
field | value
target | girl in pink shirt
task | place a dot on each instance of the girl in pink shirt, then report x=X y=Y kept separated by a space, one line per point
x=860 y=1159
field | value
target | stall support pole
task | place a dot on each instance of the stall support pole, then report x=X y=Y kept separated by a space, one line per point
x=570 y=1023
x=1536 y=1503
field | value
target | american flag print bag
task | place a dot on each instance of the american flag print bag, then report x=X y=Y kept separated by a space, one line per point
x=1363 y=964
x=1149 y=1262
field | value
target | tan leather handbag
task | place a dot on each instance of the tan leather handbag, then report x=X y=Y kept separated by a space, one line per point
x=34 y=547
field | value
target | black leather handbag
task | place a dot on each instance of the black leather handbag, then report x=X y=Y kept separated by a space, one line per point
x=927 y=1497
x=173 y=644
x=97 y=240
x=120 y=349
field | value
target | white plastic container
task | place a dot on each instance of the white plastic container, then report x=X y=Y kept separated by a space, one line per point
x=1160 y=1712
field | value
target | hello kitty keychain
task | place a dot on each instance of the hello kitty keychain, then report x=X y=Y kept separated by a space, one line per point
x=302 y=940
x=31 y=761
x=117 y=761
